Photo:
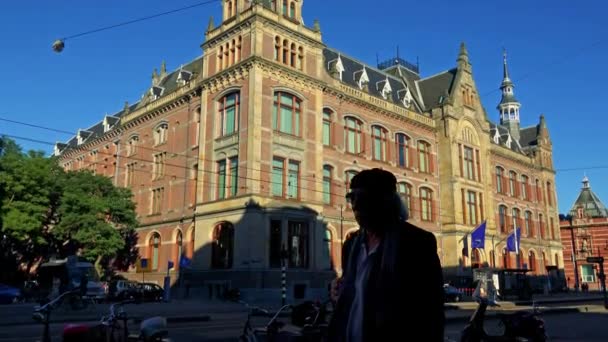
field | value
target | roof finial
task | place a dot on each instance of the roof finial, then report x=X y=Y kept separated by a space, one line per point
x=126 y=108
x=463 y=55
x=163 y=69
x=505 y=68
x=586 y=182
x=155 y=77
x=211 y=25
x=316 y=26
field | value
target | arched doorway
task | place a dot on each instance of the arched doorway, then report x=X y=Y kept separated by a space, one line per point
x=177 y=254
x=222 y=249
x=154 y=251
x=532 y=262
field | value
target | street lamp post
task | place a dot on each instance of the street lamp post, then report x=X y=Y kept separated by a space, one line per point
x=574 y=261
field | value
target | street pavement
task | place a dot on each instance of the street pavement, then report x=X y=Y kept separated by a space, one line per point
x=581 y=326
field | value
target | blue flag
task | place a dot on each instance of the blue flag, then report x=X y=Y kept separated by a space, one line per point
x=184 y=261
x=513 y=241
x=478 y=236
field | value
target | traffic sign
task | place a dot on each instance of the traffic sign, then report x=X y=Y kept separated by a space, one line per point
x=143 y=263
x=598 y=260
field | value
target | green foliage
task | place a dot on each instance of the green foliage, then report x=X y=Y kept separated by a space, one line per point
x=45 y=210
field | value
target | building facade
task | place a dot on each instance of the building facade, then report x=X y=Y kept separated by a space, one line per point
x=586 y=235
x=240 y=159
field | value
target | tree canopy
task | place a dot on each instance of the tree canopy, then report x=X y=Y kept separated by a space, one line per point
x=46 y=211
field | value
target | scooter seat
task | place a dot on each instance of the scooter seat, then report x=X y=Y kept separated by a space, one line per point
x=155 y=327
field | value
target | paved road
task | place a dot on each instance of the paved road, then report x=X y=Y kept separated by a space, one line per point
x=589 y=326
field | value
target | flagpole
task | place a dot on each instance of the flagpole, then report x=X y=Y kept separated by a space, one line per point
x=517 y=258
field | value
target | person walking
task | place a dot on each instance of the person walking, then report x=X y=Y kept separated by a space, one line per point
x=391 y=288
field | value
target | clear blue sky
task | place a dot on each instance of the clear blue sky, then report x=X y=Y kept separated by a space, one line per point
x=557 y=54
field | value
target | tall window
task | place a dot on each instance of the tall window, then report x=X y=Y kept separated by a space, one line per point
x=277 y=48
x=379 y=142
x=293 y=176
x=587 y=273
x=532 y=262
x=292 y=10
x=539 y=192
x=327 y=114
x=285 y=178
x=472 y=207
x=348 y=177
x=297 y=244
x=524 y=188
x=221 y=179
x=424 y=157
x=234 y=175
x=159 y=165
x=353 y=135
x=160 y=133
x=403 y=144
x=426 y=204
x=286 y=113
x=130 y=173
x=552 y=227
x=222 y=246
x=179 y=244
x=549 y=194
x=275 y=243
x=516 y=218
x=273 y=5
x=500 y=180
x=502 y=218
x=541 y=225
x=229 y=114
x=154 y=250
x=157 y=200
x=328 y=244
x=469 y=170
x=132 y=145
x=405 y=191
x=285 y=8
x=277 y=176
x=191 y=243
x=528 y=227
x=327 y=171
x=512 y=182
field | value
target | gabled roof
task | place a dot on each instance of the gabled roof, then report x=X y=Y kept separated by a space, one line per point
x=353 y=70
x=165 y=86
x=587 y=200
x=528 y=136
x=434 y=87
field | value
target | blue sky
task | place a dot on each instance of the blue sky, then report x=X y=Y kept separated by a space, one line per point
x=557 y=55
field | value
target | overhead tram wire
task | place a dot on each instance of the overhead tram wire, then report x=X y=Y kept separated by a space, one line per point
x=59 y=44
x=204 y=182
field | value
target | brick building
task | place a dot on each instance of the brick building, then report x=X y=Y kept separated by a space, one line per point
x=246 y=153
x=587 y=236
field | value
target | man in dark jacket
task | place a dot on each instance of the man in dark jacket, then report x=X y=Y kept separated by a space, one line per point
x=392 y=284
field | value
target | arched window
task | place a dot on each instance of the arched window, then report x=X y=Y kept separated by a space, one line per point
x=229 y=9
x=492 y=259
x=285 y=8
x=191 y=243
x=541 y=225
x=403 y=150
x=327 y=117
x=327 y=175
x=229 y=114
x=424 y=157
x=273 y=5
x=292 y=10
x=379 y=139
x=516 y=217
x=502 y=218
x=348 y=176
x=405 y=191
x=179 y=243
x=285 y=59
x=222 y=247
x=549 y=194
x=286 y=113
x=293 y=54
x=545 y=262
x=512 y=183
x=426 y=204
x=220 y=58
x=328 y=244
x=505 y=259
x=300 y=65
x=160 y=133
x=532 y=262
x=528 y=227
x=353 y=139
x=525 y=191
x=154 y=251
x=277 y=48
x=132 y=145
x=500 y=180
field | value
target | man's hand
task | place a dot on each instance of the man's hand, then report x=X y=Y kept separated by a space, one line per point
x=336 y=284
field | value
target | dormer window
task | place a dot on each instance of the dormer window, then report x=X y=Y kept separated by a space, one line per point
x=385 y=88
x=406 y=97
x=362 y=78
x=496 y=136
x=336 y=67
x=156 y=92
x=183 y=76
x=509 y=141
x=82 y=136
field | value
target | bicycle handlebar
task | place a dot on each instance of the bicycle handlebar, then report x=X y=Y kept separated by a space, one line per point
x=48 y=306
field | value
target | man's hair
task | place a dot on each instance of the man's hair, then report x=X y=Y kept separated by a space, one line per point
x=375 y=180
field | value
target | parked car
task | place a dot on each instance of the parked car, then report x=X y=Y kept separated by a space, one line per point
x=452 y=294
x=151 y=292
x=122 y=289
x=9 y=294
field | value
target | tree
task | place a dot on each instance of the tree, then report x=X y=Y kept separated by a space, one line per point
x=47 y=211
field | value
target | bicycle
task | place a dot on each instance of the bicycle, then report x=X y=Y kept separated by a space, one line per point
x=42 y=314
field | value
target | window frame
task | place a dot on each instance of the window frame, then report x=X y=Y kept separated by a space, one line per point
x=424 y=157
x=426 y=202
x=296 y=113
x=223 y=109
x=357 y=131
x=379 y=136
x=403 y=147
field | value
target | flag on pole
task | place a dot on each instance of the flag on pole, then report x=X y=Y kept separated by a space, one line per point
x=513 y=241
x=478 y=236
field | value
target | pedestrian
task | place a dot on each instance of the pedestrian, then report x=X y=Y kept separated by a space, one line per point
x=391 y=287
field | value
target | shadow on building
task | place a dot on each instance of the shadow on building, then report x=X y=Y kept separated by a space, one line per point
x=249 y=255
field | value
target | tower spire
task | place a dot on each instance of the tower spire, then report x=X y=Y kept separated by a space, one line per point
x=508 y=107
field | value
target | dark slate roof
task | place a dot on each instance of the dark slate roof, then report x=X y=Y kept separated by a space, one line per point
x=353 y=70
x=588 y=200
x=433 y=87
x=166 y=85
x=508 y=98
x=504 y=134
x=528 y=136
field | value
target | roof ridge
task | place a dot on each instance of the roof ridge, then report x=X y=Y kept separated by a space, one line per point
x=395 y=78
x=435 y=75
